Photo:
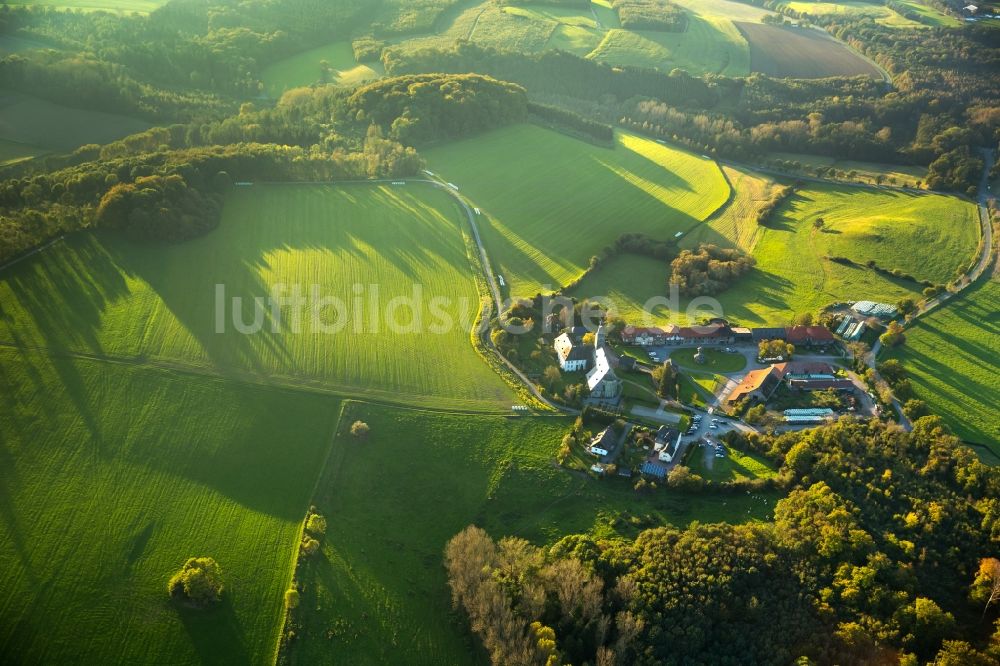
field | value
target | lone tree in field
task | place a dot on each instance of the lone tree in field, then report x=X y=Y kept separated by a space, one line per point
x=199 y=581
x=360 y=429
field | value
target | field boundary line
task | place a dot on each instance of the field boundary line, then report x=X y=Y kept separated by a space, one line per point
x=302 y=524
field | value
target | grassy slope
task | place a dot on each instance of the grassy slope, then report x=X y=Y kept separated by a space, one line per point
x=736 y=224
x=928 y=236
x=866 y=171
x=395 y=499
x=303 y=69
x=709 y=45
x=44 y=126
x=629 y=283
x=881 y=14
x=930 y=13
x=951 y=356
x=550 y=202
x=100 y=294
x=112 y=476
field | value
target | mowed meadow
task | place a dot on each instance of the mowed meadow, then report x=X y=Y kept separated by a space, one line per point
x=550 y=202
x=362 y=244
x=378 y=594
x=112 y=475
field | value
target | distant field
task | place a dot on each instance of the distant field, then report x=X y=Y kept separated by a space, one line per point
x=11 y=152
x=141 y=6
x=709 y=45
x=101 y=294
x=398 y=17
x=931 y=14
x=882 y=14
x=801 y=53
x=953 y=360
x=112 y=476
x=14 y=44
x=574 y=30
x=736 y=224
x=894 y=174
x=42 y=126
x=379 y=594
x=550 y=202
x=727 y=9
x=304 y=69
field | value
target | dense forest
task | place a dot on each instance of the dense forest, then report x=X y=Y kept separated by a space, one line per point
x=875 y=556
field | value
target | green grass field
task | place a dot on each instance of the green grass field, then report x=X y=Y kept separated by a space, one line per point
x=12 y=152
x=881 y=14
x=926 y=235
x=736 y=465
x=102 y=295
x=709 y=46
x=952 y=360
x=113 y=475
x=630 y=283
x=116 y=6
x=303 y=69
x=932 y=15
x=550 y=202
x=865 y=172
x=715 y=360
x=379 y=594
x=42 y=126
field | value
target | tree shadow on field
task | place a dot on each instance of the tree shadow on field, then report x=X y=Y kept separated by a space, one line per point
x=215 y=632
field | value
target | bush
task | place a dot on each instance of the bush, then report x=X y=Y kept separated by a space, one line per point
x=291 y=598
x=309 y=546
x=198 y=581
x=316 y=524
x=360 y=430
